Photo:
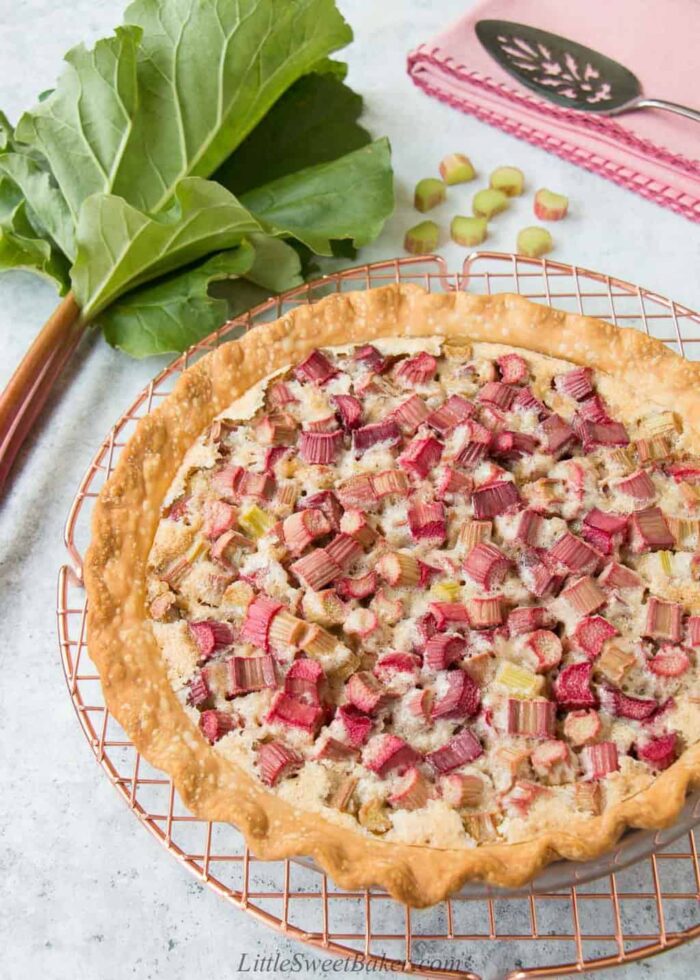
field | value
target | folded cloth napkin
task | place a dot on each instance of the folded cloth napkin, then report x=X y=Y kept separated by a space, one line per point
x=655 y=153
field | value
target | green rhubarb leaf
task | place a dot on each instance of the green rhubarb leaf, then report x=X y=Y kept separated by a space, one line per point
x=47 y=207
x=314 y=122
x=349 y=198
x=120 y=247
x=174 y=92
x=277 y=266
x=176 y=311
x=20 y=248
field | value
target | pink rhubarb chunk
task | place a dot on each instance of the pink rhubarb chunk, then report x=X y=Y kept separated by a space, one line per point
x=427 y=522
x=591 y=633
x=303 y=527
x=315 y=368
x=246 y=674
x=320 y=447
x=277 y=760
x=357 y=725
x=486 y=565
x=417 y=370
x=462 y=698
x=572 y=688
x=459 y=751
x=533 y=718
x=215 y=724
x=495 y=499
x=259 y=615
x=659 y=753
x=585 y=596
x=349 y=410
x=600 y=760
x=303 y=681
x=664 y=620
x=623 y=706
x=376 y=432
x=287 y=710
x=421 y=456
x=576 y=384
x=366 y=693
x=210 y=636
x=574 y=554
x=444 y=649
x=389 y=753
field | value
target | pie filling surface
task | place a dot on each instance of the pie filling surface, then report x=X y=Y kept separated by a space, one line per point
x=441 y=594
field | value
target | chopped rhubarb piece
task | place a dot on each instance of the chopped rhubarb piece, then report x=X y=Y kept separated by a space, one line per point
x=317 y=642
x=417 y=370
x=387 y=610
x=660 y=752
x=639 y=486
x=412 y=791
x=418 y=703
x=525 y=401
x=279 y=394
x=390 y=483
x=210 y=636
x=591 y=633
x=331 y=748
x=386 y=753
x=600 y=760
x=538 y=577
x=461 y=790
x=320 y=447
x=594 y=409
x=215 y=724
x=587 y=797
x=364 y=691
x=427 y=522
x=548 y=755
x=574 y=554
x=461 y=699
x=276 y=429
x=455 y=410
x=474 y=533
x=362 y=622
x=512 y=445
x=303 y=527
x=663 y=620
x=623 y=706
x=529 y=526
x=315 y=368
x=451 y=482
x=556 y=434
x=316 y=570
x=286 y=630
x=259 y=616
x=357 y=588
x=277 y=760
x=411 y=414
x=550 y=206
x=495 y=499
x=303 y=681
x=219 y=517
x=420 y=456
x=287 y=710
x=613 y=663
x=547 y=648
x=198 y=692
x=226 y=480
x=354 y=522
x=585 y=596
x=685 y=472
x=649 y=531
x=399 y=570
x=343 y=550
x=324 y=425
x=444 y=649
x=669 y=662
x=611 y=524
x=459 y=751
x=693 y=631
x=456 y=168
x=427 y=573
x=177 y=509
x=497 y=393
x=533 y=718
x=476 y=444
x=357 y=725
x=377 y=432
x=576 y=384
x=582 y=727
x=349 y=410
x=572 y=688
x=391 y=664
x=526 y=619
x=258 y=485
x=327 y=502
x=369 y=356
x=513 y=368
x=486 y=565
x=616 y=576
x=447 y=614
x=595 y=435
x=485 y=613
x=324 y=608
x=246 y=674
x=272 y=457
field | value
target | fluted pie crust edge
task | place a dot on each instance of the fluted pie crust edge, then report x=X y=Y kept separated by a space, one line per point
x=126 y=516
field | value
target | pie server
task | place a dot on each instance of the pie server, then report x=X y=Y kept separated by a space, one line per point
x=567 y=73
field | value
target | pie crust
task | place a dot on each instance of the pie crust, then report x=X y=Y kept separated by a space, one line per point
x=127 y=514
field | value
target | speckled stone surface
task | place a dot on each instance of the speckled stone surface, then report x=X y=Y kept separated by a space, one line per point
x=84 y=891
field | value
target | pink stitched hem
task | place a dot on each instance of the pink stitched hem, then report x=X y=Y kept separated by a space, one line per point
x=648 y=187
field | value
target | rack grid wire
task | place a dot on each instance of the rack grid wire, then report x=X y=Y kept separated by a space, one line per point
x=620 y=918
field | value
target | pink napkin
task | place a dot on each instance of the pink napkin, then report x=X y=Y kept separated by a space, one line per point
x=655 y=153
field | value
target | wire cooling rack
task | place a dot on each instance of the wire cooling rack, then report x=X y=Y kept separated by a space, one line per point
x=619 y=918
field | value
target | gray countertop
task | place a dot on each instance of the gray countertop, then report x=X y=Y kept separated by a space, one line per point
x=85 y=892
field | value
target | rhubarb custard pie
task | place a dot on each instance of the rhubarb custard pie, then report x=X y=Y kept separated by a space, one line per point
x=411 y=583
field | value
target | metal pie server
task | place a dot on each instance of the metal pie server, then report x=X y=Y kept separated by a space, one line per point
x=567 y=73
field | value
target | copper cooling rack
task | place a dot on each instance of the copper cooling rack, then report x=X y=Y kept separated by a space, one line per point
x=622 y=917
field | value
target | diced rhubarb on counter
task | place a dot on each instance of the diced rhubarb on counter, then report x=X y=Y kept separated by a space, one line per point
x=488 y=203
x=468 y=231
x=422 y=239
x=458 y=751
x=389 y=753
x=456 y=168
x=534 y=241
x=572 y=688
x=509 y=180
x=550 y=206
x=534 y=718
x=600 y=760
x=277 y=760
x=428 y=193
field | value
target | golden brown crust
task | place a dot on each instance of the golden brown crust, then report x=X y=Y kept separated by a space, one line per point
x=126 y=517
